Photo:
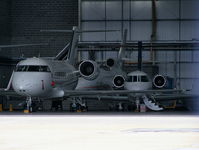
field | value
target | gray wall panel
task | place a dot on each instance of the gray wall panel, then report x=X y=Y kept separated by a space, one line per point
x=190 y=84
x=99 y=36
x=189 y=30
x=140 y=10
x=167 y=30
x=133 y=56
x=187 y=71
x=93 y=10
x=167 y=9
x=166 y=70
x=189 y=9
x=196 y=56
x=113 y=36
x=126 y=10
x=186 y=56
x=113 y=10
x=140 y=30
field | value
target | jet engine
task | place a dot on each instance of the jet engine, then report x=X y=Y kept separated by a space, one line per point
x=110 y=62
x=160 y=81
x=89 y=70
x=118 y=81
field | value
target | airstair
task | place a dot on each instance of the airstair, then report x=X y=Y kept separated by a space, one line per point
x=151 y=104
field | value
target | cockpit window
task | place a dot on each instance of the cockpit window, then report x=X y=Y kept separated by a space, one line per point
x=129 y=79
x=32 y=68
x=21 y=68
x=135 y=79
x=144 y=79
x=132 y=79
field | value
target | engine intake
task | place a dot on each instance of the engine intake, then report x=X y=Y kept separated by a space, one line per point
x=165 y=82
x=89 y=70
x=110 y=62
x=159 y=81
x=118 y=81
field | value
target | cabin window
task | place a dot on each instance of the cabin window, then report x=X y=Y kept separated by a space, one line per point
x=32 y=68
x=60 y=74
x=144 y=79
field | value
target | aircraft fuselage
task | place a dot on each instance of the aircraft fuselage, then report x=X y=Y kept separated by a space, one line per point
x=37 y=77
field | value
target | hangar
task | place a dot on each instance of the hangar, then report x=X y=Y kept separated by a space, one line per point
x=130 y=54
x=168 y=30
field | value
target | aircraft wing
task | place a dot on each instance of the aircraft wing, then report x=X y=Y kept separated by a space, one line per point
x=118 y=92
x=175 y=96
x=123 y=95
x=4 y=92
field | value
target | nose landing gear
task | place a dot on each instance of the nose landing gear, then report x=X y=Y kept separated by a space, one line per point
x=28 y=106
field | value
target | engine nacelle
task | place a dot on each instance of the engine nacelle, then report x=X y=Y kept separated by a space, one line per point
x=110 y=62
x=160 y=81
x=118 y=81
x=89 y=70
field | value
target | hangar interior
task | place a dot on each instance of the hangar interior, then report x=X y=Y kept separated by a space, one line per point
x=146 y=20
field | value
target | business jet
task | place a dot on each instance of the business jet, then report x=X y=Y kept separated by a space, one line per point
x=108 y=75
x=46 y=78
x=96 y=77
x=137 y=84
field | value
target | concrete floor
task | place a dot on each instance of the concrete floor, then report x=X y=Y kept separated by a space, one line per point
x=99 y=131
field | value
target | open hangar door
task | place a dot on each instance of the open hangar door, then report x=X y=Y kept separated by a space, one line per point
x=152 y=21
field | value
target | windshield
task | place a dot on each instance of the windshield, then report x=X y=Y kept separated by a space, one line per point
x=144 y=79
x=132 y=79
x=32 y=68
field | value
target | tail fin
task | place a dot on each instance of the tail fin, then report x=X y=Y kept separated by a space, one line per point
x=71 y=48
x=72 y=53
x=140 y=55
x=122 y=49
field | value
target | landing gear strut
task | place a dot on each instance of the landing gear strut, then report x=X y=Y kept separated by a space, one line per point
x=28 y=107
x=78 y=105
x=137 y=102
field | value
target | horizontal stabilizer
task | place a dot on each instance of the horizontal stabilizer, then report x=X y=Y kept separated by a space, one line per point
x=79 y=31
x=57 y=31
x=62 y=55
x=23 y=45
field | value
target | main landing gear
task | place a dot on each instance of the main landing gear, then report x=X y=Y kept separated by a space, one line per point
x=78 y=105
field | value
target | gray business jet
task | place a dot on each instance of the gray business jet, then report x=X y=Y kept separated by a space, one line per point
x=57 y=78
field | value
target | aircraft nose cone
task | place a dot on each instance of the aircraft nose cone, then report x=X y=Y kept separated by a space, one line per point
x=24 y=86
x=31 y=84
x=21 y=86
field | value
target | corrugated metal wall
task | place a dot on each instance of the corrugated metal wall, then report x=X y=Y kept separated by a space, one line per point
x=176 y=20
